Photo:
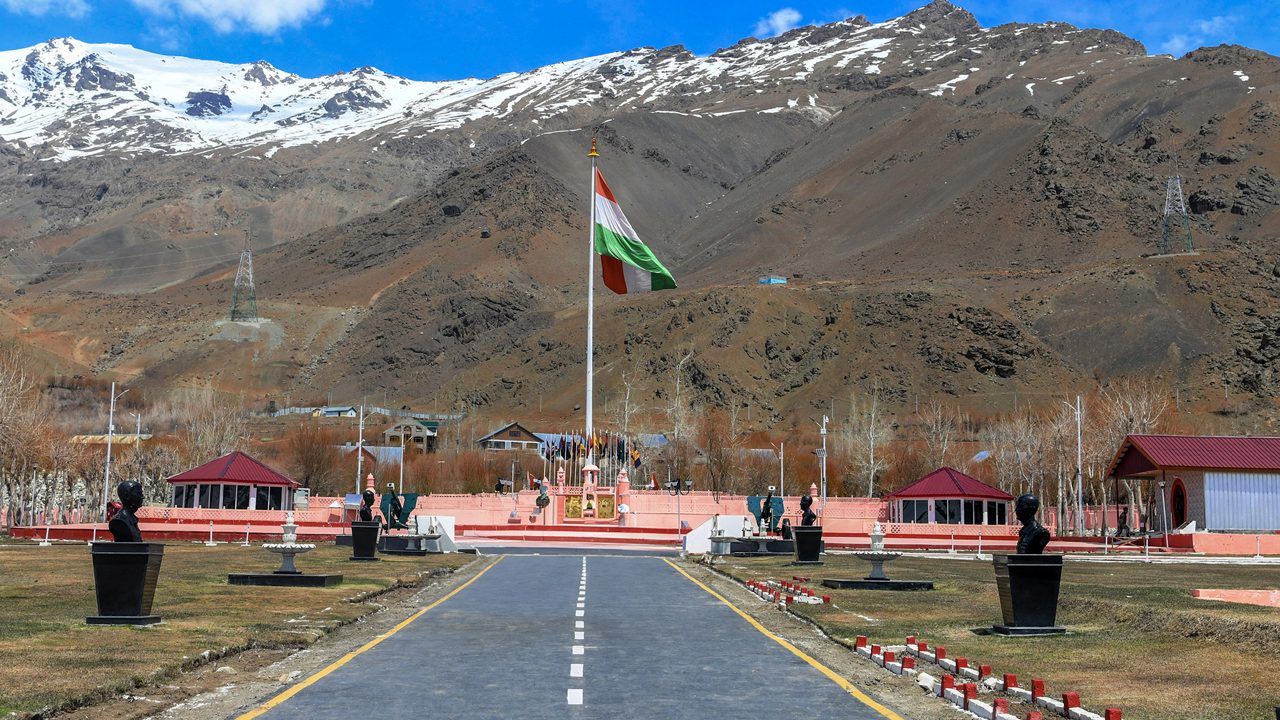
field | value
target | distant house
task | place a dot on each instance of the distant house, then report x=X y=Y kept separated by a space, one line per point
x=948 y=496
x=233 y=482
x=335 y=411
x=1220 y=483
x=772 y=280
x=375 y=454
x=513 y=436
x=415 y=435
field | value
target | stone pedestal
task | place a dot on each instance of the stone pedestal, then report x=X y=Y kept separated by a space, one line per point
x=364 y=540
x=1028 y=586
x=124 y=577
x=808 y=544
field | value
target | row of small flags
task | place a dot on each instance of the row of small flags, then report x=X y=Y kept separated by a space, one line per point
x=605 y=445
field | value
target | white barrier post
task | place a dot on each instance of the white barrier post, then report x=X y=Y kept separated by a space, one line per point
x=211 y=543
x=45 y=542
x=246 y=536
x=953 y=542
x=1146 y=549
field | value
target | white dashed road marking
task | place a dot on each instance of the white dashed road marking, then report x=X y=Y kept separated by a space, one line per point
x=574 y=696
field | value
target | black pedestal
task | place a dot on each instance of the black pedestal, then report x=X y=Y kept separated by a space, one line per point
x=886 y=584
x=124 y=577
x=1028 y=586
x=808 y=544
x=364 y=540
x=284 y=579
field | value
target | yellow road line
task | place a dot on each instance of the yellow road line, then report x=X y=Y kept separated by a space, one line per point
x=832 y=674
x=282 y=697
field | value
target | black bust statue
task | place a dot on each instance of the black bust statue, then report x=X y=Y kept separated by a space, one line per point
x=124 y=524
x=1033 y=537
x=366 y=506
x=807 y=516
x=395 y=508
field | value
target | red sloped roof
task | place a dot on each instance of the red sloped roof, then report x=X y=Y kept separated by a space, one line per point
x=235 y=467
x=948 y=482
x=1195 y=452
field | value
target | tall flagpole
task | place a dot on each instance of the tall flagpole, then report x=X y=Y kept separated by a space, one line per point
x=591 y=295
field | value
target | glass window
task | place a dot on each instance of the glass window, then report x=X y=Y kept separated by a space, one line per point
x=179 y=495
x=242 y=497
x=263 y=498
x=915 y=511
x=228 y=497
x=947 y=511
x=973 y=512
x=277 y=495
x=209 y=496
x=996 y=513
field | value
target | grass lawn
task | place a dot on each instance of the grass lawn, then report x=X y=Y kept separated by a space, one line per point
x=1136 y=641
x=49 y=657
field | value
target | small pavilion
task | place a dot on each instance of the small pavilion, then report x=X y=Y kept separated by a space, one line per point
x=234 y=481
x=949 y=497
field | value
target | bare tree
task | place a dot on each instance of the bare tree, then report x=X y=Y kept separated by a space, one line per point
x=939 y=425
x=863 y=437
x=313 y=458
x=212 y=427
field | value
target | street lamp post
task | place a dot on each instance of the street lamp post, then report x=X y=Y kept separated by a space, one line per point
x=111 y=428
x=822 y=455
x=675 y=488
x=782 y=468
x=402 y=461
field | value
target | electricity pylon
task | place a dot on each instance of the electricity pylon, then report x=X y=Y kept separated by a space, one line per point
x=244 y=300
x=1175 y=212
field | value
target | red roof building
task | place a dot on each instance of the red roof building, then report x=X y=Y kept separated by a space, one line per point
x=1227 y=483
x=950 y=497
x=234 y=481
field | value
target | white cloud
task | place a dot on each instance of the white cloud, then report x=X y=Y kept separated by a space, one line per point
x=778 y=22
x=70 y=8
x=1212 y=31
x=262 y=16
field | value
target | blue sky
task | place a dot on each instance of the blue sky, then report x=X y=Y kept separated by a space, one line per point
x=448 y=39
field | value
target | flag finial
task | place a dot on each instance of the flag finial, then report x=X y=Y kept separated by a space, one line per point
x=593 y=152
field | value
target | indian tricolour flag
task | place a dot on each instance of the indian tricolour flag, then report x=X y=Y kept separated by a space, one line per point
x=628 y=265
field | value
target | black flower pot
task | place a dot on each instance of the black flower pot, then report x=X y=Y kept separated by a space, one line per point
x=364 y=540
x=1028 y=586
x=124 y=578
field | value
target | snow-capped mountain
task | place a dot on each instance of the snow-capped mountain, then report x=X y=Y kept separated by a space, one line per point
x=68 y=98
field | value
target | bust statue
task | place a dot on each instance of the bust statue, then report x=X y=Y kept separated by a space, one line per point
x=366 y=506
x=124 y=524
x=807 y=516
x=1033 y=537
x=543 y=498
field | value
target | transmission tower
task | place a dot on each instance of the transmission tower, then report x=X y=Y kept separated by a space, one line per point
x=244 y=301
x=1175 y=213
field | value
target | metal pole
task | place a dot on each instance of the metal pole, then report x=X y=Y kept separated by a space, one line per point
x=824 y=462
x=360 y=452
x=402 y=461
x=782 y=469
x=1079 y=472
x=111 y=427
x=591 y=299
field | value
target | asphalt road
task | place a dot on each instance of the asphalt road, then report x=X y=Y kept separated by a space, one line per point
x=575 y=636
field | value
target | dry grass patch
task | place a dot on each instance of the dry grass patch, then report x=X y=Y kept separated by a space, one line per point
x=49 y=657
x=1137 y=639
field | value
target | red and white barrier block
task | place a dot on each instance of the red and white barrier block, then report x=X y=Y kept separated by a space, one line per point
x=965 y=694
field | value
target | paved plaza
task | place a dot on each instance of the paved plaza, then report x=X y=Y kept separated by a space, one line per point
x=579 y=636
